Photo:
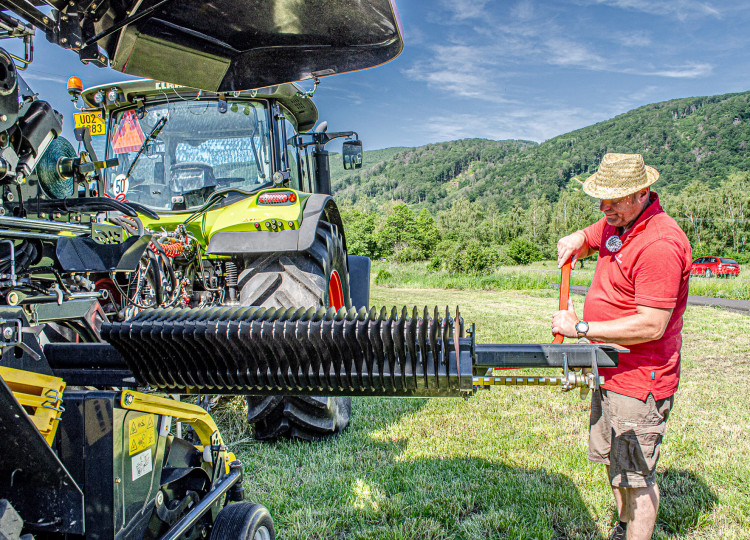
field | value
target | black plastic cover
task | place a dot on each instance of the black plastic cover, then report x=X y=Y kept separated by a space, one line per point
x=83 y=254
x=226 y=45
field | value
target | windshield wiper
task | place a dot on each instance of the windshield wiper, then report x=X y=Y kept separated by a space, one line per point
x=252 y=145
x=154 y=133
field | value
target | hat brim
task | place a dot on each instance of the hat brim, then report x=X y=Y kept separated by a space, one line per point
x=593 y=187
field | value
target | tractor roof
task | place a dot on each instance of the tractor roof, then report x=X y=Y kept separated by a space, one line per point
x=229 y=45
x=290 y=95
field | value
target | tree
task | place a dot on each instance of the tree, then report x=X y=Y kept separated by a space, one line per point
x=574 y=210
x=427 y=235
x=397 y=234
x=359 y=230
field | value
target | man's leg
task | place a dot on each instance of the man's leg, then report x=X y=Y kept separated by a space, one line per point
x=638 y=508
x=636 y=438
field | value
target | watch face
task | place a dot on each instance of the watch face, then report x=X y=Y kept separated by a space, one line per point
x=582 y=327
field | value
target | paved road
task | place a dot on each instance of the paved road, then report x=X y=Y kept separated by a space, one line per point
x=740 y=306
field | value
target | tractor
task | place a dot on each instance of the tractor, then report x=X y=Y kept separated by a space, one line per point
x=234 y=190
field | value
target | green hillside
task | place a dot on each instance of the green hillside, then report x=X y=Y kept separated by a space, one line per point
x=371 y=158
x=429 y=174
x=473 y=204
x=702 y=138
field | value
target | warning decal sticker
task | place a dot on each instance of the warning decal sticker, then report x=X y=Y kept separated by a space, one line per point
x=141 y=464
x=141 y=433
x=128 y=135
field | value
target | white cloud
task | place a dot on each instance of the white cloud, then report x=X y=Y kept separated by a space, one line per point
x=530 y=123
x=523 y=10
x=688 y=71
x=682 y=9
x=460 y=70
x=564 y=52
x=632 y=39
x=465 y=9
x=49 y=77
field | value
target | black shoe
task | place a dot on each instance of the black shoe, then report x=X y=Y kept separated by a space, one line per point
x=618 y=533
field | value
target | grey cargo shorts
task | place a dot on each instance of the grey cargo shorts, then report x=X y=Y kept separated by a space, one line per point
x=626 y=433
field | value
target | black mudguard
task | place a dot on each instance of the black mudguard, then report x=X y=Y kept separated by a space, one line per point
x=359 y=281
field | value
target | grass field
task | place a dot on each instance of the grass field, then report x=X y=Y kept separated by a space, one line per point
x=511 y=463
x=538 y=275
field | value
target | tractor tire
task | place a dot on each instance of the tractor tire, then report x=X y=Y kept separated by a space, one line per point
x=313 y=278
x=243 y=521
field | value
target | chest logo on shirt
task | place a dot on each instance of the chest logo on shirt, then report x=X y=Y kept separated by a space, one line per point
x=614 y=243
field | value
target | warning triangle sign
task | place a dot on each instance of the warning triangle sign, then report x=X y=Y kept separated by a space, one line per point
x=129 y=136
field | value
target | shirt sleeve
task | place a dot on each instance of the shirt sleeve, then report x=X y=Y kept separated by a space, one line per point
x=658 y=274
x=594 y=233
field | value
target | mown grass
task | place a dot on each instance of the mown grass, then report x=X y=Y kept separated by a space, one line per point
x=539 y=275
x=511 y=462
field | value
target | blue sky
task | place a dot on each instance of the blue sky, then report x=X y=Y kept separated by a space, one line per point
x=527 y=69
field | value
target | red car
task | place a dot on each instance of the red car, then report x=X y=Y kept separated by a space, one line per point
x=715 y=266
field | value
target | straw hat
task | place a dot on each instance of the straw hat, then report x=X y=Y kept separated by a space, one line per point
x=620 y=175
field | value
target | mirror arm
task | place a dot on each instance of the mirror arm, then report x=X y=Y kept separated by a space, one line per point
x=325 y=137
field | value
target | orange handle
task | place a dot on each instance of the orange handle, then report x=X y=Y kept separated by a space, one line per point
x=564 y=294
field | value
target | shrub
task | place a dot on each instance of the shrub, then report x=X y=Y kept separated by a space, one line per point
x=478 y=258
x=524 y=252
x=382 y=277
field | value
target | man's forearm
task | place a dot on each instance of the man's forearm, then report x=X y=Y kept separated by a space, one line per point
x=629 y=330
x=586 y=250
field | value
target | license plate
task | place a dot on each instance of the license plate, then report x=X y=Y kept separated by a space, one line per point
x=92 y=120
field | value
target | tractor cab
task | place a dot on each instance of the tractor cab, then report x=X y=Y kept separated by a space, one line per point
x=176 y=147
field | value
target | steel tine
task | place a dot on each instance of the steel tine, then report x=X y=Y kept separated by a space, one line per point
x=377 y=346
x=433 y=331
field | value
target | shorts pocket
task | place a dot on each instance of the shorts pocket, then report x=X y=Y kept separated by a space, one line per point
x=638 y=446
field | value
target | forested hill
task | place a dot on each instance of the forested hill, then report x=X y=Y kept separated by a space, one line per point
x=702 y=138
x=425 y=174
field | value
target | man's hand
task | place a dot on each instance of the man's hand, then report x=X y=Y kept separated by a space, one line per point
x=571 y=246
x=564 y=321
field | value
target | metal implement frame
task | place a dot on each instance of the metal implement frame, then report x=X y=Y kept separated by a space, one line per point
x=313 y=352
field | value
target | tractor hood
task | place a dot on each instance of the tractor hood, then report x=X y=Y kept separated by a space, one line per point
x=231 y=45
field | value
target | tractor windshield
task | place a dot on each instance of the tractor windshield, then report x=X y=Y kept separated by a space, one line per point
x=173 y=156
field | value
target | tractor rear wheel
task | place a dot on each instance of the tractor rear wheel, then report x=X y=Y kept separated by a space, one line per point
x=313 y=278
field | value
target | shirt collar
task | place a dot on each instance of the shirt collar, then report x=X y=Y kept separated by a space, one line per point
x=640 y=224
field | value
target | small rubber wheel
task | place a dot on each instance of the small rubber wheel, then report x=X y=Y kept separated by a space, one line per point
x=708 y=273
x=243 y=521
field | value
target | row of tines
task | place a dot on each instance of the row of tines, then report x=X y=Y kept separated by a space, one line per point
x=242 y=349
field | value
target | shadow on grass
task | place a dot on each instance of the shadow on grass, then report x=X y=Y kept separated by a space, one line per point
x=371 y=483
x=686 y=501
x=426 y=499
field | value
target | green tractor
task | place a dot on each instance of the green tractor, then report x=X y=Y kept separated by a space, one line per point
x=235 y=190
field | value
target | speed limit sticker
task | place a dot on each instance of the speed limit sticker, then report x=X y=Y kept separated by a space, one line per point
x=120 y=185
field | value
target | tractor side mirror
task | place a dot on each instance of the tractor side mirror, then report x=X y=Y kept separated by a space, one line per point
x=352 y=152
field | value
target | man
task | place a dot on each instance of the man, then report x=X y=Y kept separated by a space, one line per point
x=636 y=300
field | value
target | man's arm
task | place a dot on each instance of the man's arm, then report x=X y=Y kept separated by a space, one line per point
x=648 y=324
x=575 y=244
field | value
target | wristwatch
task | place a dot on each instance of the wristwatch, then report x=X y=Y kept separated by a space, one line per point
x=582 y=327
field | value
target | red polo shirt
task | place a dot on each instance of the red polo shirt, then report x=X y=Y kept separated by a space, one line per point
x=651 y=269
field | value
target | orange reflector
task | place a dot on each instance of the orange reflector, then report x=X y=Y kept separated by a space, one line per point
x=75 y=85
